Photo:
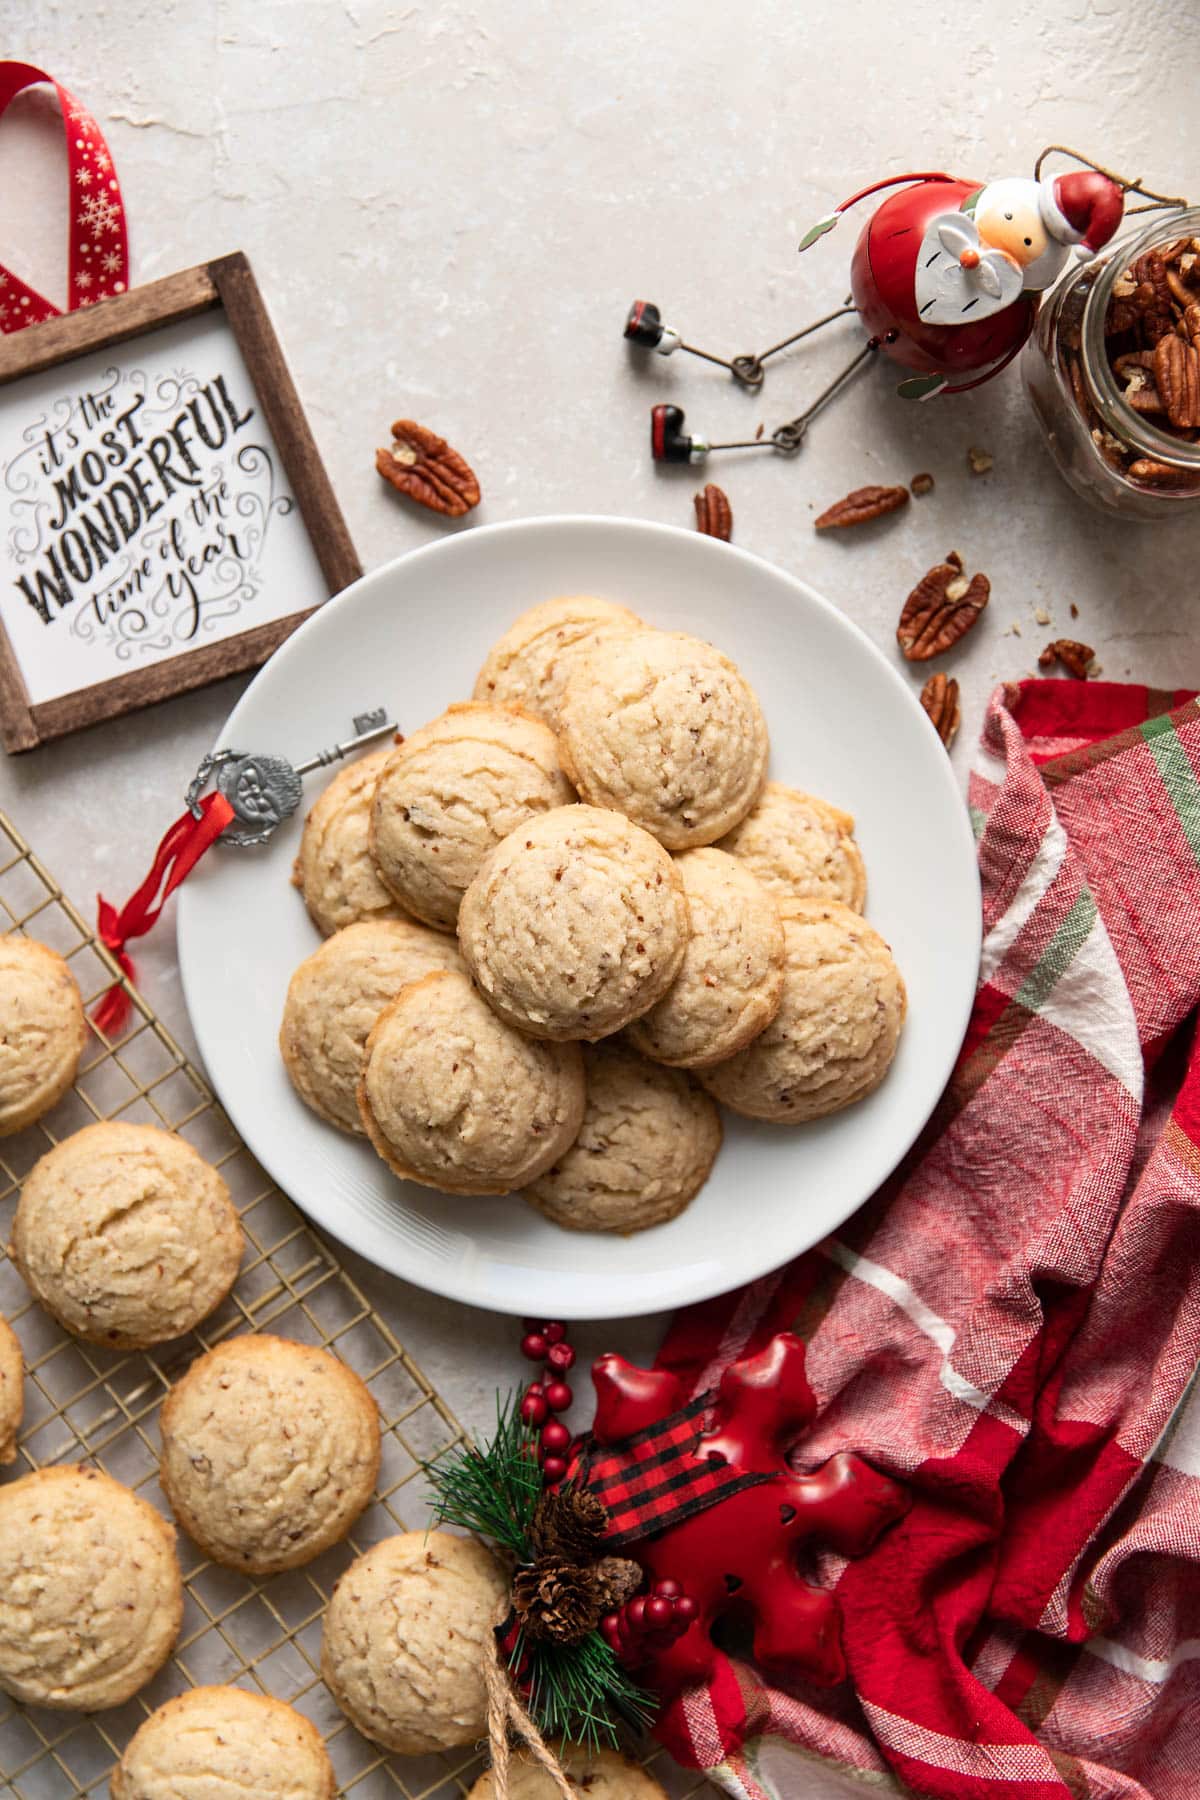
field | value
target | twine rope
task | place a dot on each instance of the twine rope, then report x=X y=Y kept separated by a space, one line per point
x=506 y=1715
x=1157 y=202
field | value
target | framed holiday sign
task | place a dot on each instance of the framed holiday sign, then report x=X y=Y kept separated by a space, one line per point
x=165 y=519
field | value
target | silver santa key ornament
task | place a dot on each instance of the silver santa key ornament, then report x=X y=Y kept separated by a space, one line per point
x=264 y=790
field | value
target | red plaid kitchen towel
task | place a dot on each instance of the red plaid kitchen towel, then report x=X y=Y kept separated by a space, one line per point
x=1012 y=1326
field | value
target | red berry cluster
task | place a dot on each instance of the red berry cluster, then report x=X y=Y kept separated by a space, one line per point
x=648 y=1622
x=546 y=1343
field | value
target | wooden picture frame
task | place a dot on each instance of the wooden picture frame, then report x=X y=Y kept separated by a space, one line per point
x=226 y=284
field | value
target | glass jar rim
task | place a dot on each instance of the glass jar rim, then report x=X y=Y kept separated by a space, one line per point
x=1113 y=409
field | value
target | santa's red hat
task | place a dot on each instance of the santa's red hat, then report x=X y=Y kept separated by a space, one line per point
x=1083 y=207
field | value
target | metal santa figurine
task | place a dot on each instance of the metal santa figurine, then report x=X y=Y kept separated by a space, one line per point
x=947 y=273
x=946 y=277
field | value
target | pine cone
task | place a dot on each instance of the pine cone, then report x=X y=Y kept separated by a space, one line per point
x=557 y=1599
x=618 y=1579
x=569 y=1523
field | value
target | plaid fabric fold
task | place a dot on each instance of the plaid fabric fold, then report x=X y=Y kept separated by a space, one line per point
x=1012 y=1325
x=651 y=1479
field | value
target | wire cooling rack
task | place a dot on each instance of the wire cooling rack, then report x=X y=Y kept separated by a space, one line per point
x=83 y=1403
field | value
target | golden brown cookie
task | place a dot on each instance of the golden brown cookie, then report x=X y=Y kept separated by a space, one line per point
x=126 y=1235
x=270 y=1450
x=42 y=1031
x=600 y=1774
x=212 y=1743
x=407 y=1633
x=663 y=728
x=335 y=997
x=91 y=1597
x=450 y=792
x=12 y=1391
x=647 y=1144
x=575 y=924
x=800 y=847
x=530 y=664
x=456 y=1099
x=334 y=868
x=833 y=1039
x=731 y=981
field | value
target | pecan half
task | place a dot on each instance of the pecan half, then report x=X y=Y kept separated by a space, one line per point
x=939 y=697
x=859 y=507
x=714 y=515
x=423 y=466
x=941 y=609
x=1177 y=376
x=1076 y=658
x=1153 y=296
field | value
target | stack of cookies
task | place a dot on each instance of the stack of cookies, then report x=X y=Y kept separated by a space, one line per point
x=567 y=917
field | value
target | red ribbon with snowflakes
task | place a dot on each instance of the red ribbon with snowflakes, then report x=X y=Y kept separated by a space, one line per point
x=97 y=243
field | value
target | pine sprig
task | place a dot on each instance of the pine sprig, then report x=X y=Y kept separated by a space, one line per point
x=576 y=1689
x=492 y=1489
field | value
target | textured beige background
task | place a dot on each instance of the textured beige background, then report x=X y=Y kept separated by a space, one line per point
x=449 y=208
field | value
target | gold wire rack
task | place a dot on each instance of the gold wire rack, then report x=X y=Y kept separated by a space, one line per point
x=83 y=1403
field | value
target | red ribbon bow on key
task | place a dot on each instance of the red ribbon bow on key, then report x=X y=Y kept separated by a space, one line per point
x=97 y=242
x=181 y=849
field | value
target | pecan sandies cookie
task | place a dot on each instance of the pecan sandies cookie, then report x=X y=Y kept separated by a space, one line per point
x=663 y=728
x=835 y=1034
x=575 y=925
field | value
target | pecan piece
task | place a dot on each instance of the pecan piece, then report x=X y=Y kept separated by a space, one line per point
x=941 y=609
x=1159 y=474
x=423 y=466
x=1142 y=394
x=859 y=507
x=939 y=697
x=1177 y=376
x=921 y=484
x=980 y=460
x=1125 y=364
x=1076 y=658
x=714 y=515
x=1180 y=290
x=1079 y=387
x=1122 y=316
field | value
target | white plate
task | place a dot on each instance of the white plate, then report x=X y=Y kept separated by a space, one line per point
x=842 y=723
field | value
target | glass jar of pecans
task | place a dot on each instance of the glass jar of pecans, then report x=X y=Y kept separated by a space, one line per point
x=1113 y=372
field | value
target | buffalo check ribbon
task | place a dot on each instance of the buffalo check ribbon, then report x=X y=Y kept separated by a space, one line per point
x=97 y=239
x=654 y=1478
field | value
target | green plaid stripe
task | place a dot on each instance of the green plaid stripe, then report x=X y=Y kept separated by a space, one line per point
x=1178 y=776
x=1061 y=951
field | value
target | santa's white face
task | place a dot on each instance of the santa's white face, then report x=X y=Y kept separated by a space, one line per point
x=1008 y=218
